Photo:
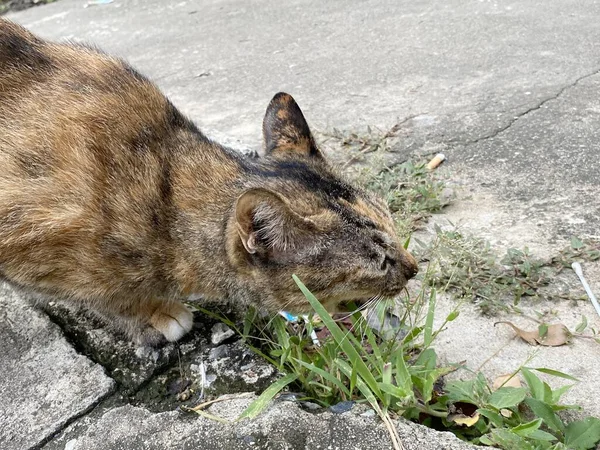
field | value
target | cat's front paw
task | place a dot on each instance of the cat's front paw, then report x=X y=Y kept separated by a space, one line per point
x=173 y=320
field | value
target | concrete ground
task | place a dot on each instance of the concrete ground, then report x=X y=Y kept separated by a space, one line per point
x=507 y=90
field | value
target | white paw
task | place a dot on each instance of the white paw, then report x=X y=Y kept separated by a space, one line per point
x=174 y=322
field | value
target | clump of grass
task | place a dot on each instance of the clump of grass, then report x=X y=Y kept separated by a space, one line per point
x=471 y=269
x=401 y=378
x=412 y=192
x=578 y=250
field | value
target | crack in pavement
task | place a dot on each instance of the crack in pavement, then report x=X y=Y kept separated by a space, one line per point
x=532 y=109
x=46 y=440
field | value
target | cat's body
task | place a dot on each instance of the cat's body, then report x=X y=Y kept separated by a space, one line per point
x=110 y=198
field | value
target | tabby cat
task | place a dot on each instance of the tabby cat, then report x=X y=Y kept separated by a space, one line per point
x=110 y=198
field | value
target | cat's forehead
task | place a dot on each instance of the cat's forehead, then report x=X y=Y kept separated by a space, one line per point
x=316 y=185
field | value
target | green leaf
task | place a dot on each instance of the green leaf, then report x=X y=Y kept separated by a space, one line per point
x=525 y=429
x=554 y=373
x=583 y=434
x=536 y=386
x=453 y=315
x=508 y=440
x=507 y=397
x=461 y=391
x=582 y=325
x=402 y=375
x=558 y=393
x=395 y=391
x=541 y=435
x=495 y=419
x=543 y=330
x=365 y=390
x=258 y=405
x=546 y=413
x=427 y=338
x=576 y=243
x=342 y=339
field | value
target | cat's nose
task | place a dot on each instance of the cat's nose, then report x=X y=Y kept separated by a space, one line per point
x=409 y=264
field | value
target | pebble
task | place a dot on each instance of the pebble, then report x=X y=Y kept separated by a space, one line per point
x=220 y=333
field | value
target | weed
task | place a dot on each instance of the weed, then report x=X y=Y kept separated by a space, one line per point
x=471 y=269
x=412 y=192
x=401 y=378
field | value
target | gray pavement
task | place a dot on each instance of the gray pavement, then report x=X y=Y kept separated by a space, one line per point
x=508 y=90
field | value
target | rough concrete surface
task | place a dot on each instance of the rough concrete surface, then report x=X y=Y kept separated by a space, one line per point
x=44 y=383
x=283 y=426
x=507 y=90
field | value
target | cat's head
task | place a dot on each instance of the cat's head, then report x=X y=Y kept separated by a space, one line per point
x=298 y=216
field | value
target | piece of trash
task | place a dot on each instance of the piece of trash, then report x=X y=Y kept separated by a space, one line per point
x=463 y=413
x=97 y=2
x=579 y=271
x=292 y=318
x=341 y=407
x=548 y=335
x=436 y=161
x=390 y=328
x=507 y=380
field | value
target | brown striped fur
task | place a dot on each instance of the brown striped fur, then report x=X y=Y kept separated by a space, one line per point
x=112 y=199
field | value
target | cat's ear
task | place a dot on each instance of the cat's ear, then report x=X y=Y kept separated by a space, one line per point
x=285 y=130
x=266 y=223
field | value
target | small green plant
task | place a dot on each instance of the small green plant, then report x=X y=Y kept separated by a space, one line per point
x=471 y=269
x=578 y=250
x=401 y=378
x=412 y=192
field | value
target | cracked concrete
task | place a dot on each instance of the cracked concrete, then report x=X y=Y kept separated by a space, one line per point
x=508 y=90
x=534 y=108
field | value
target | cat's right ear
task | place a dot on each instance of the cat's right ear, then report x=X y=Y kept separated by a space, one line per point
x=285 y=130
x=267 y=225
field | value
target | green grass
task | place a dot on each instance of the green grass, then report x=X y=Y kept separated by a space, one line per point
x=469 y=268
x=402 y=378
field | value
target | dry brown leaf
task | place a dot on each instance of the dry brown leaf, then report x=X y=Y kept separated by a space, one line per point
x=461 y=419
x=506 y=380
x=555 y=334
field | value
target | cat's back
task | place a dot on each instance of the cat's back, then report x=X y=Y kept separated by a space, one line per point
x=87 y=146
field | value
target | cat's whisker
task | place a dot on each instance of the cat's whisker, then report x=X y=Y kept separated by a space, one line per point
x=351 y=329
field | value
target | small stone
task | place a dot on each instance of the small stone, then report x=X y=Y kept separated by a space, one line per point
x=368 y=413
x=222 y=351
x=341 y=407
x=220 y=333
x=310 y=406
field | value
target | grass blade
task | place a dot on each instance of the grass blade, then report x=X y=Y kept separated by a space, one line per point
x=340 y=338
x=258 y=405
x=325 y=375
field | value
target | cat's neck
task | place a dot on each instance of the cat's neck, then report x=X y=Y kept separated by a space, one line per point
x=206 y=185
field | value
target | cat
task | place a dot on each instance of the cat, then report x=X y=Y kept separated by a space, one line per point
x=112 y=199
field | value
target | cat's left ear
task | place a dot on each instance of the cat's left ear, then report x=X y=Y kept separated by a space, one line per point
x=285 y=130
